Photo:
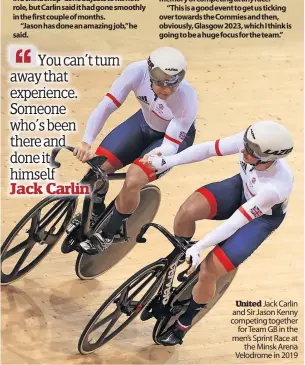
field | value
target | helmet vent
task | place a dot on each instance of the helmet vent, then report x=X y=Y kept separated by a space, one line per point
x=252 y=133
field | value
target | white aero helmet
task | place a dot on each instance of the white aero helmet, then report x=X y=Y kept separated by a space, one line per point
x=166 y=66
x=268 y=141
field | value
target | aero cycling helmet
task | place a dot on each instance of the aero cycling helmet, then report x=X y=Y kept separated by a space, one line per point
x=166 y=66
x=268 y=141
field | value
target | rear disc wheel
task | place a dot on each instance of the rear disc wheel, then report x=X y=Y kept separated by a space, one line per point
x=91 y=266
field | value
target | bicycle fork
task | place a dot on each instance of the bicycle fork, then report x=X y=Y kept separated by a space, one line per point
x=159 y=307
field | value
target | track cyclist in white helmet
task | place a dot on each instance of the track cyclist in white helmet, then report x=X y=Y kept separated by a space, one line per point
x=165 y=123
x=253 y=203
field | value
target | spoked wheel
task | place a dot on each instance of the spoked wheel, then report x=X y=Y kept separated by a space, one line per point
x=89 y=267
x=121 y=307
x=35 y=236
x=180 y=301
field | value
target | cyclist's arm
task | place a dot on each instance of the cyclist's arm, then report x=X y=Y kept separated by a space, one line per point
x=112 y=101
x=260 y=204
x=198 y=152
x=97 y=119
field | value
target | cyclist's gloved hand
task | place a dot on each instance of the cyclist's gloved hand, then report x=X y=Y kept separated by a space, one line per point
x=146 y=159
x=192 y=256
x=158 y=162
x=83 y=152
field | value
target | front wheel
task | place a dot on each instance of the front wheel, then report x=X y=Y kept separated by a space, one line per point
x=179 y=301
x=35 y=236
x=121 y=307
x=89 y=267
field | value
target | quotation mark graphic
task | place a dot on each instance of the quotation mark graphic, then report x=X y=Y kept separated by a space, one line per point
x=22 y=55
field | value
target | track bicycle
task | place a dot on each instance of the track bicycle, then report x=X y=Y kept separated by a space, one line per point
x=42 y=227
x=150 y=293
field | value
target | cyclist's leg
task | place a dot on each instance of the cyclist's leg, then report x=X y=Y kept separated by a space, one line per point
x=128 y=198
x=229 y=254
x=225 y=257
x=213 y=201
x=137 y=176
x=216 y=201
x=127 y=201
x=121 y=146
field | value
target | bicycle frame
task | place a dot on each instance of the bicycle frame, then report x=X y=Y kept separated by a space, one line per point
x=92 y=179
x=159 y=300
x=168 y=275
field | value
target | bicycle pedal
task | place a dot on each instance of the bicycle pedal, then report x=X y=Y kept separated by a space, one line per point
x=69 y=245
x=72 y=226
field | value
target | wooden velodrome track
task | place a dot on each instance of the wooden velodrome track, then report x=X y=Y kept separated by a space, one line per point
x=238 y=82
